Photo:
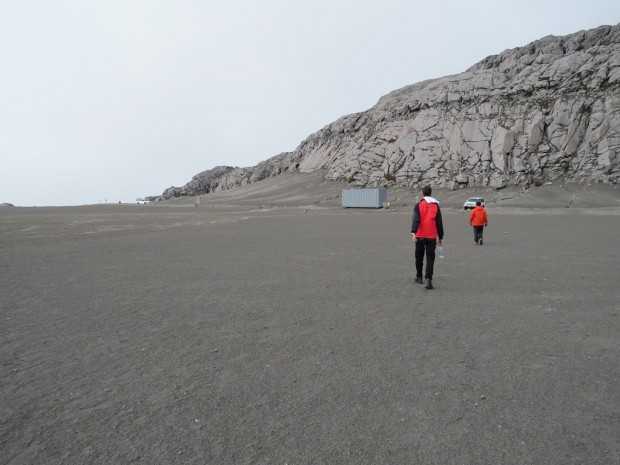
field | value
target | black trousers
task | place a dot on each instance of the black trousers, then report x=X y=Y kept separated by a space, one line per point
x=425 y=247
x=478 y=230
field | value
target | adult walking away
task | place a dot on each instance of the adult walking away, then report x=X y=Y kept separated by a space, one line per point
x=479 y=220
x=426 y=230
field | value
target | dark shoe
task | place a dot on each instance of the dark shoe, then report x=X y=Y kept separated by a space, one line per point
x=429 y=284
x=418 y=279
x=480 y=242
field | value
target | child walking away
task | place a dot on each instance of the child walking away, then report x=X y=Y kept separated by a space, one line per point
x=426 y=229
x=478 y=219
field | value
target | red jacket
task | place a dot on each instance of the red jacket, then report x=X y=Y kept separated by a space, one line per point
x=478 y=217
x=427 y=223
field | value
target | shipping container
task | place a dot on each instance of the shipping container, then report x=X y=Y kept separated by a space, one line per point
x=364 y=198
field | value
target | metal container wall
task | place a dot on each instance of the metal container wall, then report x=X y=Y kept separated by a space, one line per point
x=364 y=198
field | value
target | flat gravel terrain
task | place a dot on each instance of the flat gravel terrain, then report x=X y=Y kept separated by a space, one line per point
x=238 y=335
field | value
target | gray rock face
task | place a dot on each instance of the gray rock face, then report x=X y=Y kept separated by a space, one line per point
x=6 y=204
x=228 y=177
x=546 y=111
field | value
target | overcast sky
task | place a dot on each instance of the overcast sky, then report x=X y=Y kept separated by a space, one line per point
x=119 y=99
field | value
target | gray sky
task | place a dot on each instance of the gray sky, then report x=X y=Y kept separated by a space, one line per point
x=116 y=99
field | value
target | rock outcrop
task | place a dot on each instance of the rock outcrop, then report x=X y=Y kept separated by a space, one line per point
x=549 y=110
x=228 y=177
x=6 y=204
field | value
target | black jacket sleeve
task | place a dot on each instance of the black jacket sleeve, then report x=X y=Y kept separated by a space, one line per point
x=415 y=222
x=439 y=223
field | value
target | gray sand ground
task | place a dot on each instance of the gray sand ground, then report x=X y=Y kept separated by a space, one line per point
x=245 y=332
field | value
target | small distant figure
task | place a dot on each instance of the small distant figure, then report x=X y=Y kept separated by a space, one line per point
x=426 y=230
x=479 y=220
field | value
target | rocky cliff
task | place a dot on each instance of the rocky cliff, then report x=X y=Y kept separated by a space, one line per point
x=546 y=111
